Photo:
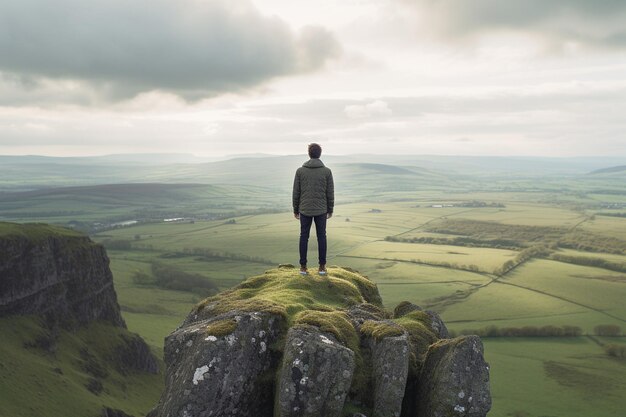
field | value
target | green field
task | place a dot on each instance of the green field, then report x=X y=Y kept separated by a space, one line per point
x=417 y=232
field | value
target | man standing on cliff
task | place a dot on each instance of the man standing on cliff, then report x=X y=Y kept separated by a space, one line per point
x=313 y=201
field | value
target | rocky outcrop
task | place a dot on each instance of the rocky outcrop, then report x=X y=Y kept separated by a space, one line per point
x=316 y=374
x=65 y=278
x=55 y=273
x=224 y=367
x=282 y=345
x=133 y=355
x=390 y=368
x=454 y=380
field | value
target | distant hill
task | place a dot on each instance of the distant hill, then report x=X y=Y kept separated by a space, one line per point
x=109 y=204
x=356 y=175
x=139 y=158
x=381 y=168
x=116 y=192
x=610 y=170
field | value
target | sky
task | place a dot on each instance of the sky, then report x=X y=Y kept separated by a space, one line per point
x=224 y=77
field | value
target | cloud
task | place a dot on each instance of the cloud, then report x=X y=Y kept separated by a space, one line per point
x=120 y=48
x=591 y=23
x=376 y=108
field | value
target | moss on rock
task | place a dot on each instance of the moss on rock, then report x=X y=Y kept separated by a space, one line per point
x=405 y=307
x=381 y=329
x=220 y=328
x=284 y=292
x=334 y=322
x=421 y=336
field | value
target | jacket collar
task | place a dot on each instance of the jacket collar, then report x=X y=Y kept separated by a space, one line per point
x=313 y=163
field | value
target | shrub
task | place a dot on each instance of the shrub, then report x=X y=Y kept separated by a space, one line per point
x=615 y=351
x=590 y=261
x=142 y=278
x=609 y=330
x=118 y=244
x=526 y=331
x=173 y=278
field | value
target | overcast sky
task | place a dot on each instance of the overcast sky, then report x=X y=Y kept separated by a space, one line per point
x=217 y=77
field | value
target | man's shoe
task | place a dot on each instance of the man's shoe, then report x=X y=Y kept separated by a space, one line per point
x=303 y=270
x=322 y=270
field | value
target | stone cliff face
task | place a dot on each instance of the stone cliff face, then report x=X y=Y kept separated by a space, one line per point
x=55 y=273
x=282 y=345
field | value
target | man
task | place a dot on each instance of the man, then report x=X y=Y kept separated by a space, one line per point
x=313 y=201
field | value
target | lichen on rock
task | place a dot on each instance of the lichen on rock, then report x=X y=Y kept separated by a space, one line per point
x=315 y=376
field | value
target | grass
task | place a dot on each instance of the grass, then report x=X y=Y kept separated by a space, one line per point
x=607 y=226
x=595 y=290
x=39 y=382
x=484 y=260
x=283 y=291
x=569 y=377
x=34 y=231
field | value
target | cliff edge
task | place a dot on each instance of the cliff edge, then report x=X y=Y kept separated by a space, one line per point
x=65 y=349
x=284 y=345
x=56 y=273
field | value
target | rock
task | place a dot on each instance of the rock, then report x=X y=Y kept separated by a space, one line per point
x=133 y=354
x=454 y=380
x=110 y=412
x=221 y=373
x=56 y=273
x=390 y=367
x=404 y=308
x=438 y=326
x=360 y=313
x=316 y=374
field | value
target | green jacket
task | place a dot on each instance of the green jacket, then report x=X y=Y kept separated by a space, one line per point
x=313 y=189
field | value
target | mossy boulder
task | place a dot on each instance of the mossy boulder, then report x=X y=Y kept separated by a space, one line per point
x=454 y=380
x=280 y=344
x=315 y=376
x=214 y=373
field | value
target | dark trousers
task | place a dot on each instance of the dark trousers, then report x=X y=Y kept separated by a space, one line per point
x=320 y=230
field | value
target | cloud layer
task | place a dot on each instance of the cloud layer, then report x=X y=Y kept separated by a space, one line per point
x=120 y=48
x=595 y=23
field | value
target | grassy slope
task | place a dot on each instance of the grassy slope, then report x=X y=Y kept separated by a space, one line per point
x=38 y=381
x=35 y=382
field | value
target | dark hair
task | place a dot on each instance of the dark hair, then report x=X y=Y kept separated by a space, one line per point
x=315 y=150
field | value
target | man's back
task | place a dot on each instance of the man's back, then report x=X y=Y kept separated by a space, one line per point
x=313 y=189
x=313 y=201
